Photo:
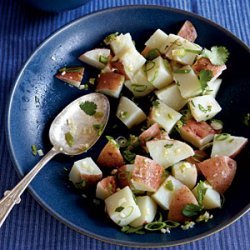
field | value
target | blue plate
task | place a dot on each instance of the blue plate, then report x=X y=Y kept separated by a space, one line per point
x=37 y=97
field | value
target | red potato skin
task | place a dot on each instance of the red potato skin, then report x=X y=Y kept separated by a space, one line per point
x=146 y=51
x=109 y=81
x=148 y=172
x=152 y=132
x=204 y=63
x=71 y=77
x=188 y=31
x=199 y=157
x=91 y=179
x=181 y=197
x=239 y=150
x=110 y=156
x=118 y=67
x=123 y=176
x=109 y=184
x=219 y=172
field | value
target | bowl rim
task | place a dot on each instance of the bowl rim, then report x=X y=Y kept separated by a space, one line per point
x=48 y=208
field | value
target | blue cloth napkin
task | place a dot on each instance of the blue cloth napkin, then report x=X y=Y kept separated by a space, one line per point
x=21 y=30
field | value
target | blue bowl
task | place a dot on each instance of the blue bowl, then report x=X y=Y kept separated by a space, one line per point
x=37 y=97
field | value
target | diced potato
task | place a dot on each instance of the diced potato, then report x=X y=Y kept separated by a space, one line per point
x=181 y=198
x=139 y=84
x=94 y=57
x=227 y=145
x=171 y=96
x=203 y=107
x=165 y=116
x=121 y=43
x=106 y=187
x=219 y=172
x=146 y=174
x=84 y=172
x=159 y=72
x=158 y=40
x=199 y=156
x=129 y=113
x=164 y=194
x=110 y=156
x=152 y=132
x=121 y=207
x=148 y=210
x=211 y=198
x=110 y=83
x=188 y=31
x=187 y=81
x=197 y=133
x=186 y=173
x=213 y=87
x=117 y=67
x=132 y=61
x=181 y=50
x=124 y=175
x=169 y=152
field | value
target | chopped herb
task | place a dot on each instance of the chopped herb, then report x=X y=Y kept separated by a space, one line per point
x=152 y=54
x=88 y=107
x=168 y=145
x=179 y=52
x=155 y=76
x=108 y=39
x=112 y=140
x=182 y=71
x=246 y=119
x=182 y=167
x=218 y=55
x=231 y=140
x=99 y=128
x=201 y=108
x=156 y=103
x=81 y=184
x=92 y=81
x=171 y=224
x=34 y=149
x=188 y=225
x=139 y=87
x=169 y=185
x=122 y=141
x=192 y=102
x=103 y=59
x=149 y=65
x=129 y=156
x=126 y=212
x=222 y=137
x=178 y=83
x=155 y=226
x=170 y=116
x=194 y=51
x=71 y=69
x=201 y=191
x=204 y=217
x=123 y=114
x=69 y=139
x=191 y=210
x=136 y=230
x=204 y=77
x=119 y=209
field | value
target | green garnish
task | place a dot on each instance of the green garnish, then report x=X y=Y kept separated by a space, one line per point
x=222 y=137
x=168 y=145
x=138 y=87
x=119 y=209
x=108 y=39
x=231 y=140
x=178 y=83
x=169 y=185
x=155 y=76
x=99 y=128
x=88 y=107
x=112 y=140
x=149 y=65
x=34 y=149
x=181 y=52
x=69 y=139
x=71 y=69
x=192 y=102
x=218 y=55
x=182 y=71
x=246 y=119
x=92 y=81
x=155 y=226
x=191 y=210
x=123 y=114
x=171 y=224
x=129 y=230
x=129 y=156
x=201 y=191
x=204 y=77
x=103 y=59
x=156 y=103
x=194 y=51
x=81 y=184
x=152 y=54
x=201 y=108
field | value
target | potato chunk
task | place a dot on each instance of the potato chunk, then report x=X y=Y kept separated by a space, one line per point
x=106 y=187
x=188 y=31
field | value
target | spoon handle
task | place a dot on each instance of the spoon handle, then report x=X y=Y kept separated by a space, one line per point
x=12 y=197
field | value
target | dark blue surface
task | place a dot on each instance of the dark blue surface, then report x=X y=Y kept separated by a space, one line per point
x=29 y=227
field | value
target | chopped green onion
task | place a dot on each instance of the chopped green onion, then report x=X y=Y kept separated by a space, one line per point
x=156 y=103
x=192 y=102
x=69 y=139
x=169 y=185
x=108 y=39
x=168 y=145
x=126 y=212
x=155 y=76
x=149 y=65
x=155 y=226
x=194 y=51
x=122 y=141
x=92 y=81
x=222 y=137
x=152 y=54
x=123 y=114
x=119 y=209
x=71 y=70
x=129 y=156
x=103 y=59
x=99 y=128
x=136 y=230
x=201 y=108
x=171 y=224
x=34 y=149
x=201 y=191
x=139 y=87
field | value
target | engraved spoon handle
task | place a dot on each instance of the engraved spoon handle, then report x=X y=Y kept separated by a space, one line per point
x=12 y=197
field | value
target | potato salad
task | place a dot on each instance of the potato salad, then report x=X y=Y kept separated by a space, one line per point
x=172 y=160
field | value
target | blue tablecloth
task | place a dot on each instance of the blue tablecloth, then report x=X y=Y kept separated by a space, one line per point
x=29 y=226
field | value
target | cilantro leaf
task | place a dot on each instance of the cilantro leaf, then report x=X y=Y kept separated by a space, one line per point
x=218 y=55
x=88 y=107
x=205 y=76
x=191 y=210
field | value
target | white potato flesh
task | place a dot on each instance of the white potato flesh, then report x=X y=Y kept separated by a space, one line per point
x=213 y=87
x=211 y=198
x=84 y=168
x=203 y=107
x=121 y=207
x=168 y=152
x=157 y=41
x=164 y=194
x=165 y=116
x=171 y=96
x=188 y=82
x=129 y=113
x=175 y=44
x=148 y=209
x=122 y=43
x=92 y=57
x=132 y=61
x=186 y=173
x=159 y=72
x=227 y=145
x=139 y=84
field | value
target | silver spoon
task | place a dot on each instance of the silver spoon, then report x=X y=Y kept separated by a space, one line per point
x=76 y=129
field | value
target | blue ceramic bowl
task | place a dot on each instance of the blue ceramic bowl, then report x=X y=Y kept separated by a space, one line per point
x=37 y=97
x=56 y=5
